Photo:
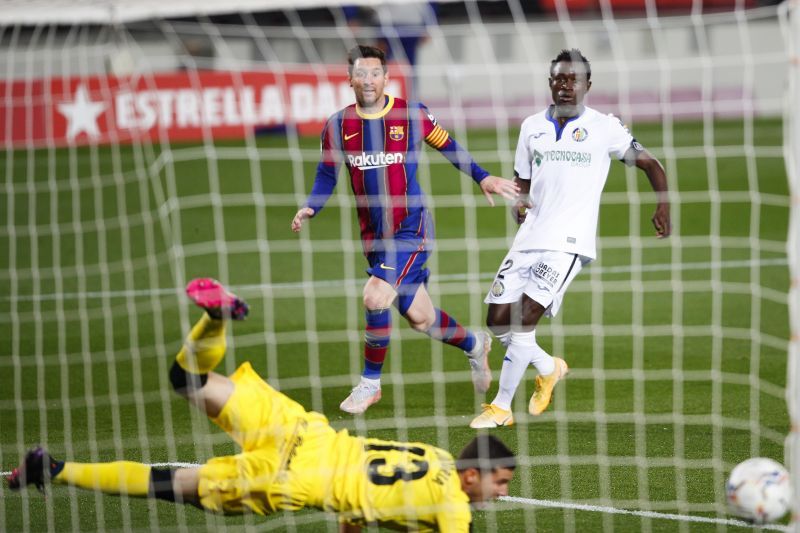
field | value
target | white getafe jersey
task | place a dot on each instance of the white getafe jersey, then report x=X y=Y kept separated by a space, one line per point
x=568 y=169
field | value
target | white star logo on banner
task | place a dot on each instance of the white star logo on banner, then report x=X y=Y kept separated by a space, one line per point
x=82 y=114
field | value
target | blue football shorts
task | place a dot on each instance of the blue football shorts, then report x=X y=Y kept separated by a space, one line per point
x=403 y=269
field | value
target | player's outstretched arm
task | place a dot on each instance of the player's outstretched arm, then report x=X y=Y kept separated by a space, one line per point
x=302 y=214
x=658 y=180
x=439 y=139
x=494 y=185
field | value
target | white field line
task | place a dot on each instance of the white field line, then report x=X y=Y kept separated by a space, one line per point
x=645 y=514
x=581 y=507
x=319 y=284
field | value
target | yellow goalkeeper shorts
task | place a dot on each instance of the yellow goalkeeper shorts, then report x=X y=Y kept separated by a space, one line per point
x=282 y=444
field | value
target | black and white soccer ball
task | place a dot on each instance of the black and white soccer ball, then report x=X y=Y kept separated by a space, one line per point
x=759 y=490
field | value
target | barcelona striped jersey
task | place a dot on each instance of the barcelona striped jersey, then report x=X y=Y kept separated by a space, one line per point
x=381 y=152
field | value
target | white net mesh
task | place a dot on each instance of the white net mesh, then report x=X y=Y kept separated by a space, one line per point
x=143 y=151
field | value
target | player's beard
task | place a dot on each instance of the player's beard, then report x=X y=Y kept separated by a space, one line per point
x=567 y=110
x=369 y=98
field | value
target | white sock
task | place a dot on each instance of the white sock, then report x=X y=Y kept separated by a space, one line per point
x=372 y=383
x=515 y=363
x=542 y=360
x=521 y=352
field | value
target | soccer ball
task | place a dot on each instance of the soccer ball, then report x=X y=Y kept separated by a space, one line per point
x=759 y=490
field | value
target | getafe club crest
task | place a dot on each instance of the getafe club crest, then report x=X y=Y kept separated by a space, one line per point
x=498 y=288
x=579 y=134
x=396 y=133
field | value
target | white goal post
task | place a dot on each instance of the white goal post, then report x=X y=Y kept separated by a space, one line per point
x=790 y=17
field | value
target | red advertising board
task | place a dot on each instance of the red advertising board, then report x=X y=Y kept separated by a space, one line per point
x=176 y=106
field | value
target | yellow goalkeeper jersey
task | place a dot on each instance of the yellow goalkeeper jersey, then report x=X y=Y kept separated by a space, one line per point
x=403 y=485
x=292 y=458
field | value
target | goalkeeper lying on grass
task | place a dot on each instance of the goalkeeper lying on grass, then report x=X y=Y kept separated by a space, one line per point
x=290 y=458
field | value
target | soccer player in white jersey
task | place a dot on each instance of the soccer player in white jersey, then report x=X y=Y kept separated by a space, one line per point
x=561 y=165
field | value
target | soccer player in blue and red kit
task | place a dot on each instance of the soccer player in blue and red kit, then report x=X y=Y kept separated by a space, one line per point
x=379 y=140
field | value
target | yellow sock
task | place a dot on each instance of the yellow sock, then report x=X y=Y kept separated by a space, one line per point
x=120 y=477
x=204 y=347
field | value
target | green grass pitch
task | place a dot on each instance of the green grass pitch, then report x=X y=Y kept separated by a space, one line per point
x=677 y=347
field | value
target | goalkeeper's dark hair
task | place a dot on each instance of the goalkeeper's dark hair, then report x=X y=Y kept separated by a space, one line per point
x=486 y=453
x=572 y=56
x=357 y=52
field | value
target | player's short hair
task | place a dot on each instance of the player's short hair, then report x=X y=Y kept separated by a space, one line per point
x=360 y=51
x=572 y=56
x=486 y=453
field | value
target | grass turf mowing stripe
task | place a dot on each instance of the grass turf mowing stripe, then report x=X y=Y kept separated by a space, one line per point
x=244 y=289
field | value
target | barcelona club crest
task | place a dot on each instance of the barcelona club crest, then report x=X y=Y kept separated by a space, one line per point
x=396 y=133
x=579 y=134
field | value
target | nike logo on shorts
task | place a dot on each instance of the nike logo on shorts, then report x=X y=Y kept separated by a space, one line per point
x=384 y=267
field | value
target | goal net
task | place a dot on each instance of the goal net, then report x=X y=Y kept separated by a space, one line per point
x=149 y=144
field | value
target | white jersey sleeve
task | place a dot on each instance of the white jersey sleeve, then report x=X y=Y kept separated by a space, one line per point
x=619 y=138
x=523 y=157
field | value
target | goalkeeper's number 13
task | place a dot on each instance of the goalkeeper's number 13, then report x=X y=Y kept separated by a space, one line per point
x=418 y=469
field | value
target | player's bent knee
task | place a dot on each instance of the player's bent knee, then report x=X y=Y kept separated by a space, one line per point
x=185 y=382
x=375 y=302
x=532 y=311
x=498 y=331
x=376 y=297
x=498 y=318
x=496 y=325
x=378 y=294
